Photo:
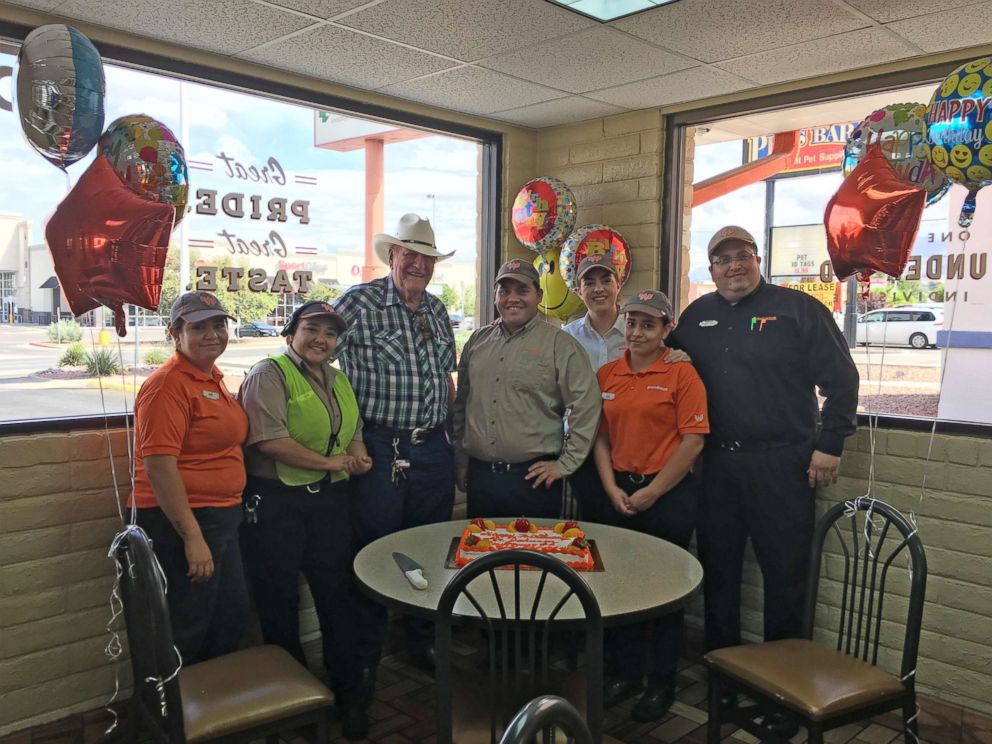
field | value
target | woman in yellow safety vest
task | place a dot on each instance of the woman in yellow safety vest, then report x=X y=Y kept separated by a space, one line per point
x=304 y=441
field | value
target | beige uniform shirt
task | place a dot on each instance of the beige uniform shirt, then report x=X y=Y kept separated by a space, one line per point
x=513 y=392
x=264 y=395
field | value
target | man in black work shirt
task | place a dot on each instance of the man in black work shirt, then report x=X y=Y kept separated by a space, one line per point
x=762 y=350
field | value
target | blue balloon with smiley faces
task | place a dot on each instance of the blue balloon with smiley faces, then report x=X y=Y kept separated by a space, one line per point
x=959 y=130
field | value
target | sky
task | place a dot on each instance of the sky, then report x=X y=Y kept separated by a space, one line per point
x=251 y=129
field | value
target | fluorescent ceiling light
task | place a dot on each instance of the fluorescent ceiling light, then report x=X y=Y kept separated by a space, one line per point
x=609 y=10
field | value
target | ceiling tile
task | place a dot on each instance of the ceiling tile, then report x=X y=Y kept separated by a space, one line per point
x=558 y=111
x=596 y=58
x=869 y=46
x=321 y=8
x=345 y=56
x=685 y=85
x=468 y=29
x=932 y=33
x=472 y=90
x=225 y=26
x=36 y=4
x=893 y=10
x=711 y=31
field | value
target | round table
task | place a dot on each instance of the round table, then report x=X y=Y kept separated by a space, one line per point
x=643 y=576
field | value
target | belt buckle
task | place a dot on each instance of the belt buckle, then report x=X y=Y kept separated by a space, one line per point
x=637 y=478
x=417 y=435
x=734 y=445
x=500 y=467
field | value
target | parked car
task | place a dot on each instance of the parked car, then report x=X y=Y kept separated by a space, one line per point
x=901 y=326
x=256 y=328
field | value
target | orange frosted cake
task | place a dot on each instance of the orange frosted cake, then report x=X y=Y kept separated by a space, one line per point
x=565 y=540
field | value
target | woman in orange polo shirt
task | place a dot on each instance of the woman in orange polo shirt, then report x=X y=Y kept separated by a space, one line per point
x=654 y=420
x=189 y=476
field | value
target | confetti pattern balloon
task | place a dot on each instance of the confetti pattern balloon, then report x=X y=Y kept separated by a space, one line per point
x=149 y=159
x=543 y=214
x=898 y=129
x=590 y=240
x=557 y=302
x=959 y=130
x=60 y=92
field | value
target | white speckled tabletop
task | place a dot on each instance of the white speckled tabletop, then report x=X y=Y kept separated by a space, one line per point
x=644 y=577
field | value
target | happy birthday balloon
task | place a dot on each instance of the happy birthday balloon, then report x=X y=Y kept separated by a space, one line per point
x=109 y=245
x=149 y=159
x=899 y=131
x=872 y=220
x=543 y=214
x=557 y=302
x=590 y=240
x=959 y=130
x=60 y=92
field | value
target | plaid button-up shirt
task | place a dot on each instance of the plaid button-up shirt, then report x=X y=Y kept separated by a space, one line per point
x=398 y=360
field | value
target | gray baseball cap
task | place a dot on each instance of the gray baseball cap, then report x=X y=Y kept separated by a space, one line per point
x=650 y=301
x=196 y=306
x=730 y=232
x=596 y=261
x=522 y=271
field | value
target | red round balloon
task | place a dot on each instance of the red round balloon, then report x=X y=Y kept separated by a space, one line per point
x=873 y=219
x=109 y=245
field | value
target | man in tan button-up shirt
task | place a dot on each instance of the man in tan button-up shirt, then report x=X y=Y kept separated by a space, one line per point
x=516 y=379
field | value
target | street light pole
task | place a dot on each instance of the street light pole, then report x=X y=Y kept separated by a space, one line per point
x=433 y=198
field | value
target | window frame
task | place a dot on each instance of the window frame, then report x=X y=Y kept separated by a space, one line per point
x=491 y=175
x=674 y=175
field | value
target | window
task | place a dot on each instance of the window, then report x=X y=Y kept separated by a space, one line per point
x=277 y=187
x=899 y=335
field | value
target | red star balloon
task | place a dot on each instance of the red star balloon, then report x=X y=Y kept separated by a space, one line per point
x=872 y=220
x=109 y=245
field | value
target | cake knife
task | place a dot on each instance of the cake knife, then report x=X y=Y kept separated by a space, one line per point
x=413 y=571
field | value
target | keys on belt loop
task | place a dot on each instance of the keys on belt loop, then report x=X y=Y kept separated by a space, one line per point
x=251 y=508
x=400 y=466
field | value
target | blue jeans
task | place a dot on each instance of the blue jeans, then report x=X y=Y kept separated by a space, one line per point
x=425 y=494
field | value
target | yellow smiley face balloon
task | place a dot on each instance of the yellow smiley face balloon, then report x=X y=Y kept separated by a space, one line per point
x=961 y=156
x=985 y=155
x=978 y=173
x=938 y=155
x=977 y=64
x=969 y=84
x=955 y=174
x=558 y=301
x=949 y=86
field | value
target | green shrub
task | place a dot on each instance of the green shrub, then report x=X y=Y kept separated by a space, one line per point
x=73 y=356
x=155 y=357
x=65 y=331
x=102 y=362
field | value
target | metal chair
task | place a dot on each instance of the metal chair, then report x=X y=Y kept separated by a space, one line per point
x=518 y=646
x=820 y=687
x=547 y=713
x=249 y=694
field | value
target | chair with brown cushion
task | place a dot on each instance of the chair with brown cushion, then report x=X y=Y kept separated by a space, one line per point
x=547 y=713
x=475 y=705
x=821 y=688
x=257 y=692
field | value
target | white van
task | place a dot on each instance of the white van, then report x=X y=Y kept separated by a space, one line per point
x=909 y=325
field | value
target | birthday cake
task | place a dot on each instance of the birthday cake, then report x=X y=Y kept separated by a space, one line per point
x=565 y=541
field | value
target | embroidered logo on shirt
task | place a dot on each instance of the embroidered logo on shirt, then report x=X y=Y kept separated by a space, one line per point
x=698 y=416
x=535 y=352
x=708 y=323
x=657 y=387
x=761 y=320
x=609 y=396
x=211 y=395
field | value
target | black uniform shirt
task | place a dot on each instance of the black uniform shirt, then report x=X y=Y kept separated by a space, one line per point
x=760 y=360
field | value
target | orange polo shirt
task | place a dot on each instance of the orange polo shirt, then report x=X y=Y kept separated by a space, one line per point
x=647 y=413
x=183 y=412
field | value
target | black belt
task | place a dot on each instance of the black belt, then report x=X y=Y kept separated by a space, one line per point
x=748 y=445
x=634 y=478
x=500 y=466
x=417 y=435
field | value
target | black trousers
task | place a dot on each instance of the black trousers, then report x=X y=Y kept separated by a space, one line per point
x=502 y=494
x=209 y=617
x=628 y=651
x=588 y=491
x=298 y=531
x=763 y=494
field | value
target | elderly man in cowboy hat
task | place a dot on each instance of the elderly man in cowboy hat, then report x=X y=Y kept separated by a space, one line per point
x=399 y=353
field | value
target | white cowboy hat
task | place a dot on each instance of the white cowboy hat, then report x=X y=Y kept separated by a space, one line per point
x=412 y=232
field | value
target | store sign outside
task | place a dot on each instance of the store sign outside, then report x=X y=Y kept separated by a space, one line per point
x=820 y=148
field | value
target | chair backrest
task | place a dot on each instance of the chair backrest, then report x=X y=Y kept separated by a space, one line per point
x=544 y=712
x=874 y=541
x=522 y=656
x=154 y=659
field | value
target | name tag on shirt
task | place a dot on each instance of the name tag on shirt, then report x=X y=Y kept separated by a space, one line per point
x=608 y=396
x=211 y=395
x=708 y=323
